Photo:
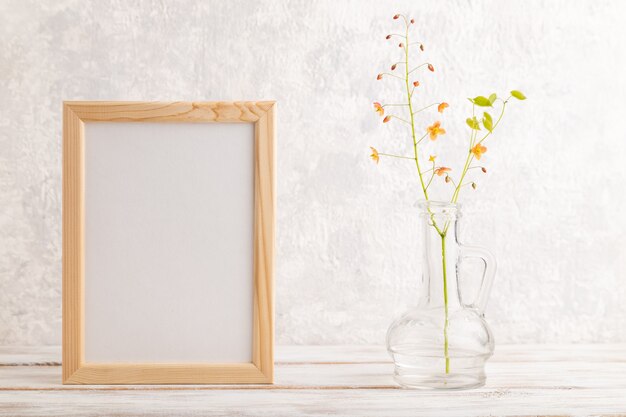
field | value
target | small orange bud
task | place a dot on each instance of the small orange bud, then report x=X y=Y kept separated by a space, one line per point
x=393 y=67
x=388 y=37
x=416 y=83
x=483 y=169
x=474 y=185
x=386 y=119
x=431 y=68
x=442 y=107
x=396 y=16
x=379 y=77
x=421 y=46
x=412 y=21
x=401 y=45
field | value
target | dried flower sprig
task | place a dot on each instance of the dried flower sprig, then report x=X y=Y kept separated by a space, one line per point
x=480 y=128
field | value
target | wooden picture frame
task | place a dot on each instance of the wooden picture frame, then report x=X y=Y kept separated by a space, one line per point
x=76 y=370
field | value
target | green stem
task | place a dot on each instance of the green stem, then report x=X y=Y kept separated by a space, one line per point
x=431 y=177
x=410 y=104
x=427 y=107
x=391 y=75
x=497 y=121
x=395 y=156
x=399 y=118
x=413 y=135
x=446 y=353
x=424 y=189
x=419 y=66
x=468 y=162
x=470 y=156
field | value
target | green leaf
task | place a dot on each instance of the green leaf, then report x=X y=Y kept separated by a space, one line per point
x=473 y=123
x=518 y=95
x=492 y=98
x=482 y=101
x=488 y=121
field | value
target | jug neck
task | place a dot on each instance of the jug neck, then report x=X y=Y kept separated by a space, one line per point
x=440 y=253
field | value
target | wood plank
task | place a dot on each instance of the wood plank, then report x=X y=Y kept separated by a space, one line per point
x=73 y=241
x=175 y=111
x=51 y=355
x=264 y=245
x=500 y=375
x=214 y=373
x=30 y=355
x=503 y=353
x=315 y=402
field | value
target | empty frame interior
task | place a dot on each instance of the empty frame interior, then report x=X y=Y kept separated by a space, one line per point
x=169 y=211
x=168 y=238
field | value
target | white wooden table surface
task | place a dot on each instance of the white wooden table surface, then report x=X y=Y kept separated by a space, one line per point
x=578 y=380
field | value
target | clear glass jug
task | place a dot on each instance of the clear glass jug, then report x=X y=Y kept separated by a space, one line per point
x=444 y=341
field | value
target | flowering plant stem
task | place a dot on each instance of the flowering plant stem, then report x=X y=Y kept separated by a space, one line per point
x=441 y=233
x=410 y=104
x=446 y=353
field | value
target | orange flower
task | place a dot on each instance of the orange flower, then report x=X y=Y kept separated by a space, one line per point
x=478 y=150
x=379 y=77
x=441 y=107
x=435 y=130
x=431 y=68
x=416 y=83
x=379 y=109
x=442 y=170
x=374 y=155
x=386 y=119
x=432 y=158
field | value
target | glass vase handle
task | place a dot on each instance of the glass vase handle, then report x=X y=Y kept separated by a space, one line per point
x=489 y=273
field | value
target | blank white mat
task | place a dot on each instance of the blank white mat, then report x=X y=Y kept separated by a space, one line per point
x=169 y=215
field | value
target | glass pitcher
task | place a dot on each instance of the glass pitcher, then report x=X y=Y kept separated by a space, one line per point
x=444 y=341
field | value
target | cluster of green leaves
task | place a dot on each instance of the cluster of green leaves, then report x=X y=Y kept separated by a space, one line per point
x=482 y=101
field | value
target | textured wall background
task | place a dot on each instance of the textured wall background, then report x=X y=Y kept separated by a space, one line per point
x=347 y=261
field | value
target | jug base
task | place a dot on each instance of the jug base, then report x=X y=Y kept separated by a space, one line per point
x=451 y=381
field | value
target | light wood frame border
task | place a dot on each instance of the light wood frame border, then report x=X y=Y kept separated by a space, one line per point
x=75 y=370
